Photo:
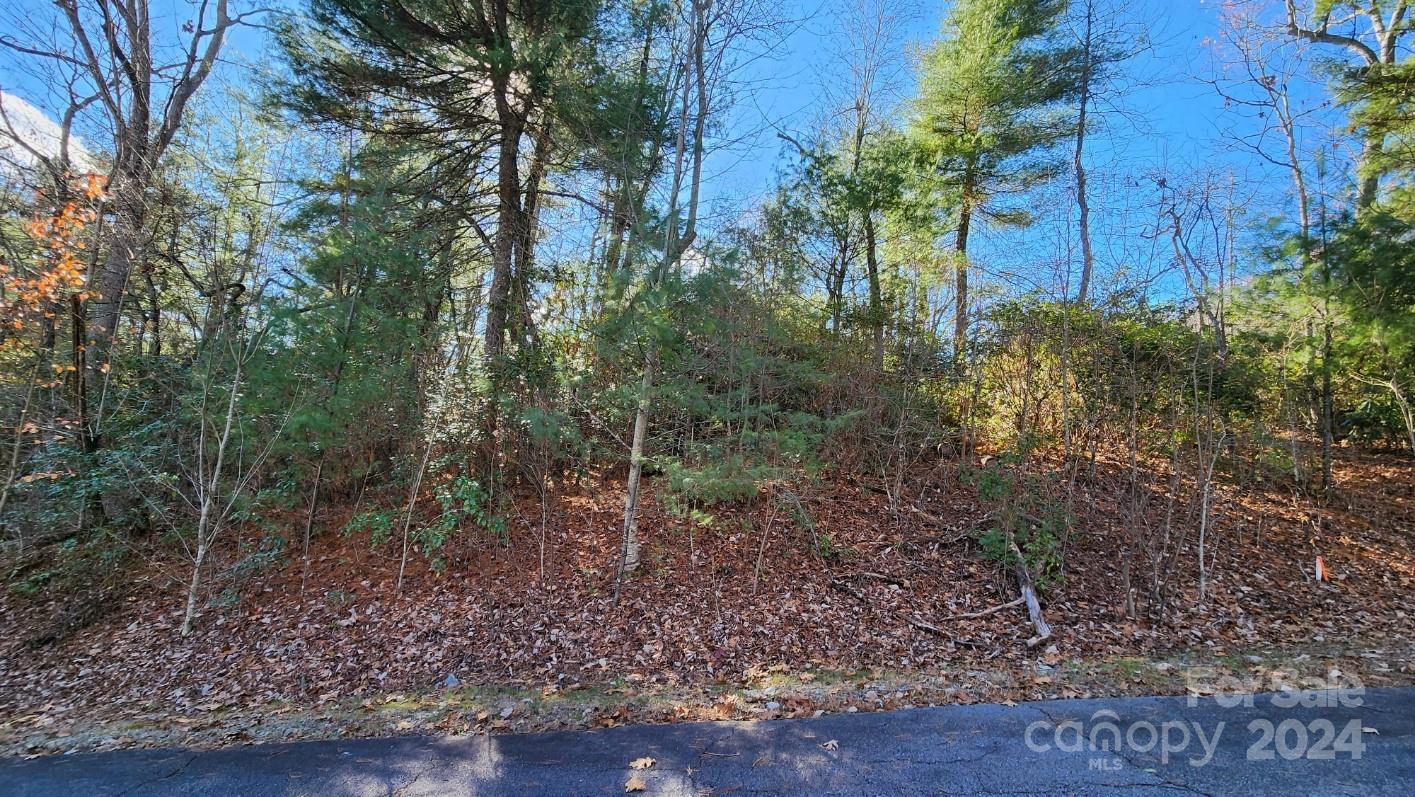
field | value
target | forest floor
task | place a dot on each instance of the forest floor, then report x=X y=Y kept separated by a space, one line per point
x=720 y=622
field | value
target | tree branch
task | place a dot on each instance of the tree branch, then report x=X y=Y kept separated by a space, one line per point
x=1322 y=35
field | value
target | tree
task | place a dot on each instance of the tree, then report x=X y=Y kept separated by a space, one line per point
x=1370 y=253
x=1372 y=256
x=992 y=107
x=708 y=36
x=35 y=292
x=844 y=197
x=874 y=32
x=473 y=85
x=1372 y=35
x=218 y=478
x=1383 y=104
x=121 y=68
x=680 y=231
x=128 y=72
x=1102 y=43
x=626 y=139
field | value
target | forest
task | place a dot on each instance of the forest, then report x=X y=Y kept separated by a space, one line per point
x=488 y=364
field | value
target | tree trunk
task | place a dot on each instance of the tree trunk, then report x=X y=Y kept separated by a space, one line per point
x=1327 y=419
x=960 y=266
x=876 y=302
x=503 y=257
x=867 y=223
x=625 y=200
x=122 y=251
x=207 y=489
x=835 y=291
x=1083 y=204
x=618 y=228
x=528 y=220
x=195 y=584
x=1369 y=181
x=629 y=553
x=676 y=243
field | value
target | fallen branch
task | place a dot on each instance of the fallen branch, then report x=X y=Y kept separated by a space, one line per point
x=923 y=626
x=761 y=551
x=1029 y=595
x=986 y=612
x=847 y=589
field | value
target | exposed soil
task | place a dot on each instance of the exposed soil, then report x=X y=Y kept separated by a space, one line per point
x=868 y=620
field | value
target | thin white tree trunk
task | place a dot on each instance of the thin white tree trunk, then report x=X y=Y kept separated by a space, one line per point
x=408 y=514
x=675 y=245
x=208 y=488
x=629 y=558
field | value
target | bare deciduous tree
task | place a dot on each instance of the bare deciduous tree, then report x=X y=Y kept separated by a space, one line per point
x=1372 y=33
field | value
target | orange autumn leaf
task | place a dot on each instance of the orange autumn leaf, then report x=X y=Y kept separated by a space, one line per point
x=57 y=270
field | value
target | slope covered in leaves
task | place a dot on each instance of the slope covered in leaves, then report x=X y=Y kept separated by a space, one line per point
x=887 y=591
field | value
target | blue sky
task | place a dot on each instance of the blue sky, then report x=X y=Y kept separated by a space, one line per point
x=1175 y=124
x=1181 y=112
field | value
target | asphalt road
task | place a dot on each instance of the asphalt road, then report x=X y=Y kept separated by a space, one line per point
x=1167 y=746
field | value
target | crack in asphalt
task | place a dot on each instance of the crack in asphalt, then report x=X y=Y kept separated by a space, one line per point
x=175 y=772
x=417 y=776
x=1155 y=773
x=1163 y=782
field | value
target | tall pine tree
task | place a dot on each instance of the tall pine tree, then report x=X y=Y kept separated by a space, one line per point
x=993 y=106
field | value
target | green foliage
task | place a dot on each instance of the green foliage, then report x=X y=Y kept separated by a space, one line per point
x=349 y=341
x=33 y=584
x=1376 y=420
x=1382 y=101
x=75 y=564
x=268 y=552
x=1376 y=270
x=1026 y=517
x=377 y=523
x=463 y=500
x=828 y=549
x=736 y=387
x=993 y=101
x=805 y=335
x=727 y=481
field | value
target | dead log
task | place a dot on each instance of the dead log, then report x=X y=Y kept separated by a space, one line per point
x=1029 y=596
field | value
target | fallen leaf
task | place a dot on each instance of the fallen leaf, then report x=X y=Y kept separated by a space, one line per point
x=635 y=783
x=642 y=763
x=830 y=745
